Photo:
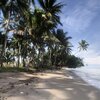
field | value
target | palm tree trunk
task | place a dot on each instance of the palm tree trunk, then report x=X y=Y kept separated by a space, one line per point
x=6 y=31
x=18 y=62
x=55 y=59
x=18 y=55
x=50 y=51
x=14 y=58
x=23 y=62
x=38 y=63
x=1 y=60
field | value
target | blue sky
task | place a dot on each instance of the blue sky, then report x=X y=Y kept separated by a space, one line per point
x=81 y=19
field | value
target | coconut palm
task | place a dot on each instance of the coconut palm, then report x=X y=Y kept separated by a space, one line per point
x=52 y=9
x=83 y=45
x=12 y=10
x=64 y=39
x=62 y=47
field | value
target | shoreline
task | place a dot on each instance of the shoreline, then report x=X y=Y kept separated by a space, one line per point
x=89 y=80
x=56 y=85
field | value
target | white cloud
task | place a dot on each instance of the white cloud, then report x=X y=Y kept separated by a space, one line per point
x=90 y=56
x=93 y=60
x=81 y=17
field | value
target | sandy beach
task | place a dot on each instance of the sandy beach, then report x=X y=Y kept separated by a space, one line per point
x=56 y=85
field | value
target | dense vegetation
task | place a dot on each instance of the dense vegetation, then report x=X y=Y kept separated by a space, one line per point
x=29 y=36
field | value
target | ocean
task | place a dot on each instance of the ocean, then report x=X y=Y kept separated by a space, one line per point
x=90 y=74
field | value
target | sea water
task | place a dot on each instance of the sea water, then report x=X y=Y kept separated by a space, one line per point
x=90 y=74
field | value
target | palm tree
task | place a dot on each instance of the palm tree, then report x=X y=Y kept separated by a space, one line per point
x=52 y=9
x=64 y=39
x=83 y=45
x=51 y=41
x=63 y=47
x=12 y=10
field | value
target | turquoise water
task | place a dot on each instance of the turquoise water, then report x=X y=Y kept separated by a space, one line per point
x=90 y=74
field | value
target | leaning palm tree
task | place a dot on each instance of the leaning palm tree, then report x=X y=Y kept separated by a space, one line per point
x=83 y=45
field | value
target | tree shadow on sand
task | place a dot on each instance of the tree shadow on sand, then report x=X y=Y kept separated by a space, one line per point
x=59 y=86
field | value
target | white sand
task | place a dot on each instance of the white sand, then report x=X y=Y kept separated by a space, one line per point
x=58 y=85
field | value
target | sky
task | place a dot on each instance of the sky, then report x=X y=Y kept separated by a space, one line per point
x=81 y=19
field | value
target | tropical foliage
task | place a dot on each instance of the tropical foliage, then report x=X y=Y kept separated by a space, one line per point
x=29 y=37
